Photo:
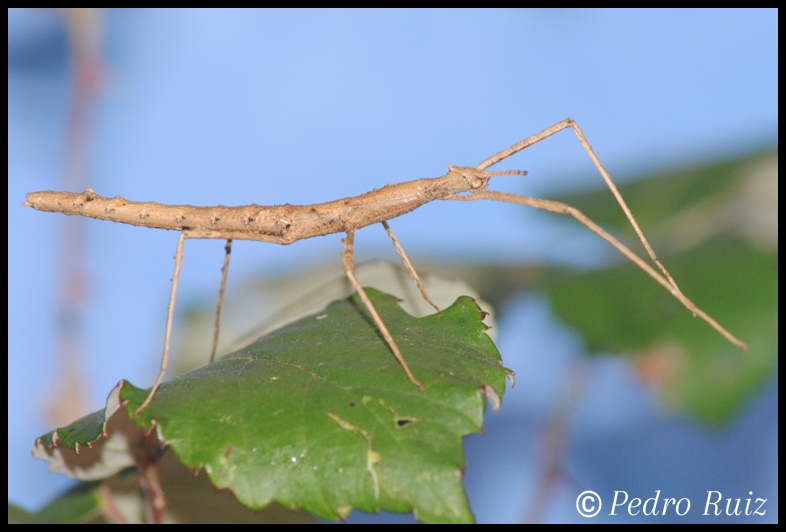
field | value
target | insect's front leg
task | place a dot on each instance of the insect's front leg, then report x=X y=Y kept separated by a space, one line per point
x=563 y=208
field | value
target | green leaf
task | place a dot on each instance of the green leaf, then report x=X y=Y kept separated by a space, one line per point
x=118 y=499
x=80 y=504
x=319 y=415
x=287 y=298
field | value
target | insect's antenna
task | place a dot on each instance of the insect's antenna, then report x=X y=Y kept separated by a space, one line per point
x=506 y=172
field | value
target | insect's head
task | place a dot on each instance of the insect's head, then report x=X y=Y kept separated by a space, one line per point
x=473 y=179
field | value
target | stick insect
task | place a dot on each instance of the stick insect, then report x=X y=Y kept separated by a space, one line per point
x=285 y=224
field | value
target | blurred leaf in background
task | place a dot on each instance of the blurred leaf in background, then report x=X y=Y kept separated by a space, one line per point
x=715 y=227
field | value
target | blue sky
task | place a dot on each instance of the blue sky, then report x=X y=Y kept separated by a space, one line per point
x=235 y=107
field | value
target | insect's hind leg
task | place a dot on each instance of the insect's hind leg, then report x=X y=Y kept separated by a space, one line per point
x=349 y=270
x=409 y=266
x=169 y=318
x=224 y=274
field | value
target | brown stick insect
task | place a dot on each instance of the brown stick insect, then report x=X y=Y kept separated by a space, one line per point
x=285 y=224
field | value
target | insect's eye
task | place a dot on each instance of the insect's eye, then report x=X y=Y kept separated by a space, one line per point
x=479 y=181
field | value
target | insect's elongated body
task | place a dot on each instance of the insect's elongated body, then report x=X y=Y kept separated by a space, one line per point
x=285 y=224
x=278 y=224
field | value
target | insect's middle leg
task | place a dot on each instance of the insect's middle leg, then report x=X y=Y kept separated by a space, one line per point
x=409 y=266
x=349 y=269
